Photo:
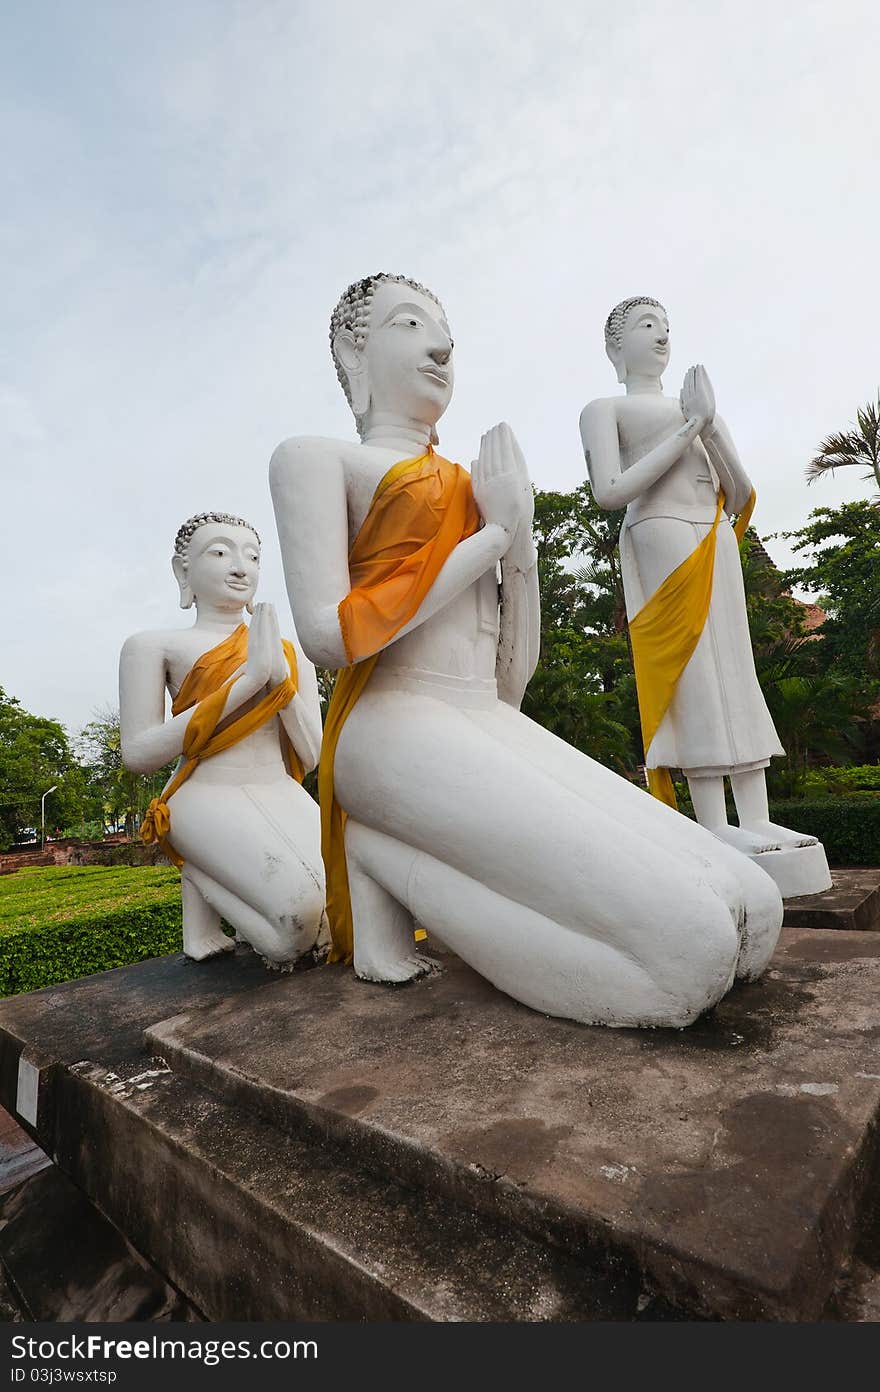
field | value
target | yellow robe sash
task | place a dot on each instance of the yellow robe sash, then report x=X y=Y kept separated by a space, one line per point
x=206 y=686
x=420 y=512
x=665 y=632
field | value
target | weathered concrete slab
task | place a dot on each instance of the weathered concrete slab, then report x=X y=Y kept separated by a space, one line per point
x=730 y=1162
x=252 y=1223
x=852 y=904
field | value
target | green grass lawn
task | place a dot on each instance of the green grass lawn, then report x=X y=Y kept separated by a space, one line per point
x=67 y=921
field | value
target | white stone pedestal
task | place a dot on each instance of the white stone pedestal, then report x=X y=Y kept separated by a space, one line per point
x=798 y=870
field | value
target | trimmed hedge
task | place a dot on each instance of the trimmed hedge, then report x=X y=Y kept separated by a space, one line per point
x=64 y=922
x=827 y=781
x=848 y=827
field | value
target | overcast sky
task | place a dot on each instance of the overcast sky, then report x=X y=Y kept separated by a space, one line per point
x=187 y=185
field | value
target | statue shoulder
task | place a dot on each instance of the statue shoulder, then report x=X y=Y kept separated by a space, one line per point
x=603 y=408
x=599 y=415
x=148 y=642
x=303 y=452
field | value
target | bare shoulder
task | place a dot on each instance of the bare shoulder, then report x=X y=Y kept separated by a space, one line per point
x=303 y=452
x=599 y=413
x=150 y=640
x=154 y=647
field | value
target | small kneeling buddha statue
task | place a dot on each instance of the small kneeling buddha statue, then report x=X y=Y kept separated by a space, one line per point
x=246 y=726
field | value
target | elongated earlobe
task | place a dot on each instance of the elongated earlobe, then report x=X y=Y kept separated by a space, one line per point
x=615 y=357
x=250 y=606
x=178 y=565
x=360 y=394
x=349 y=357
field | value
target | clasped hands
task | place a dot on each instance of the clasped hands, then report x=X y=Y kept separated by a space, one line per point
x=697 y=398
x=266 y=664
x=504 y=495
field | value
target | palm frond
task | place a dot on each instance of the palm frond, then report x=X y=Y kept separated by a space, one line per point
x=836 y=452
x=868 y=421
x=591 y=575
x=858 y=446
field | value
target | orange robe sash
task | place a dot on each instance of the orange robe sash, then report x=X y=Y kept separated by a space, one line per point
x=665 y=632
x=206 y=686
x=420 y=512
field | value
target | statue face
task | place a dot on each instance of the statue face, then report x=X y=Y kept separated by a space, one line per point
x=644 y=347
x=408 y=354
x=223 y=564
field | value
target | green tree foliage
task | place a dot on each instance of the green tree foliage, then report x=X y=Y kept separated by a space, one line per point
x=841 y=565
x=859 y=446
x=583 y=689
x=34 y=755
x=819 y=710
x=118 y=798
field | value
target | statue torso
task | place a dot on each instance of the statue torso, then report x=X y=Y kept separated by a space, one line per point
x=182 y=647
x=461 y=641
x=689 y=489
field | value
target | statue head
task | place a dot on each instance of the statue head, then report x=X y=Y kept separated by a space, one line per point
x=392 y=349
x=637 y=338
x=217 y=560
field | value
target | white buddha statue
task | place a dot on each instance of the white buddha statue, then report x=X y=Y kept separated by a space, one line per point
x=443 y=805
x=245 y=727
x=671 y=462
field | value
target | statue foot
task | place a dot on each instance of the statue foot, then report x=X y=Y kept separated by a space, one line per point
x=384 y=945
x=273 y=965
x=394 y=971
x=783 y=838
x=205 y=943
x=750 y=841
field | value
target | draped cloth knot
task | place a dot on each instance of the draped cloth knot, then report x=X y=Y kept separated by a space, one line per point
x=421 y=510
x=206 y=686
x=665 y=632
x=157 y=821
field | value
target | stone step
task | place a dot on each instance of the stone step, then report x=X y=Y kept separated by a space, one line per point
x=730 y=1161
x=314 y=1147
x=255 y=1224
x=852 y=904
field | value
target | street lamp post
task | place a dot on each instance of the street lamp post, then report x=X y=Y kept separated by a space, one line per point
x=43 y=814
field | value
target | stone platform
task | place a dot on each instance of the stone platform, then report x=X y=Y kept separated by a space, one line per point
x=851 y=904
x=318 y=1147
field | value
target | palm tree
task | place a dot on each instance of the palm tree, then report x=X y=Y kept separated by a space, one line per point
x=860 y=446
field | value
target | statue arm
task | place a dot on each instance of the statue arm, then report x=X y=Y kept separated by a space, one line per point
x=733 y=478
x=301 y=718
x=311 y=511
x=612 y=486
x=519 y=639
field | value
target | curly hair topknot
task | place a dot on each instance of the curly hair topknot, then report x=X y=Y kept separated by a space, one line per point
x=617 y=318
x=201 y=519
x=353 y=312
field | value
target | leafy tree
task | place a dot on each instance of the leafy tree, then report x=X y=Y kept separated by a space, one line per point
x=583 y=688
x=118 y=797
x=816 y=710
x=841 y=549
x=34 y=755
x=860 y=446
